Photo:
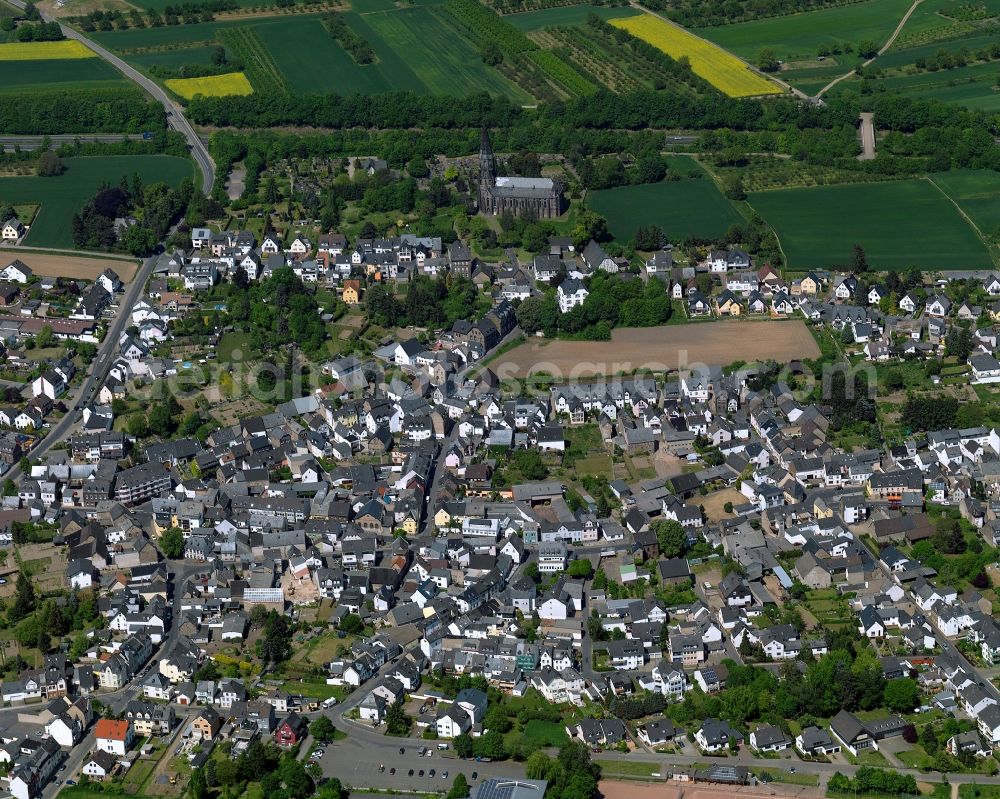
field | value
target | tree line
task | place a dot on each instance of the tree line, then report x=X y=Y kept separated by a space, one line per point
x=122 y=110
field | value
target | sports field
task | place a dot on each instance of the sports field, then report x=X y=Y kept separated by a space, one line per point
x=682 y=208
x=63 y=196
x=900 y=224
x=58 y=73
x=211 y=86
x=800 y=35
x=719 y=67
x=565 y=15
x=44 y=51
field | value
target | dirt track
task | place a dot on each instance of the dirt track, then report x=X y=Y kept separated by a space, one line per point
x=613 y=789
x=659 y=349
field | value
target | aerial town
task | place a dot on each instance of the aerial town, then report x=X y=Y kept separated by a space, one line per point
x=399 y=568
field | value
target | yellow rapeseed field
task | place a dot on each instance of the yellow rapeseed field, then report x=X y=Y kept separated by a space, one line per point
x=45 y=51
x=211 y=86
x=719 y=67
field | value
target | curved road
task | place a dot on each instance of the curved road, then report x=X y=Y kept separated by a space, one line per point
x=175 y=117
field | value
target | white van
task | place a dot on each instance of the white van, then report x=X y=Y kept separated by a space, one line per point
x=330 y=702
x=442 y=746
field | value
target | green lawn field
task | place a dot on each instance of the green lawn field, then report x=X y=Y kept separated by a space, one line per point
x=690 y=207
x=565 y=15
x=63 y=196
x=58 y=73
x=900 y=224
x=799 y=35
x=977 y=193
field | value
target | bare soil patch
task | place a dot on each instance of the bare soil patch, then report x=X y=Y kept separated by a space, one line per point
x=74 y=266
x=714 y=503
x=659 y=349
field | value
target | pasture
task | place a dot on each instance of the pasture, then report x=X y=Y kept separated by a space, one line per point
x=63 y=196
x=719 y=67
x=658 y=348
x=565 y=15
x=800 y=35
x=688 y=207
x=211 y=86
x=45 y=51
x=900 y=224
x=58 y=73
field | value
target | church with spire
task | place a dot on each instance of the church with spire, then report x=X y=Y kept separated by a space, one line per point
x=537 y=197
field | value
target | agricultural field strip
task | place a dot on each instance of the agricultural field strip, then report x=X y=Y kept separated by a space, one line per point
x=570 y=15
x=15 y=76
x=718 y=66
x=485 y=27
x=45 y=51
x=231 y=83
x=797 y=36
x=590 y=57
x=802 y=220
x=259 y=67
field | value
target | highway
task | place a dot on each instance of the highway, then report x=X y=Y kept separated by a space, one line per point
x=175 y=117
x=28 y=143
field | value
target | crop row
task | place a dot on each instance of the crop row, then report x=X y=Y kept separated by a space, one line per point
x=592 y=61
x=618 y=69
x=484 y=26
x=246 y=45
x=562 y=73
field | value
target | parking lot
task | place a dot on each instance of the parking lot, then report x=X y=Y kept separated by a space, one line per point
x=356 y=763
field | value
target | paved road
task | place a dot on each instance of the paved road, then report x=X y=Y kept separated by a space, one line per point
x=175 y=117
x=867 y=137
x=106 y=354
x=28 y=143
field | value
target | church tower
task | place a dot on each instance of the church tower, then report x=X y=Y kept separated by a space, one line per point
x=487 y=172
